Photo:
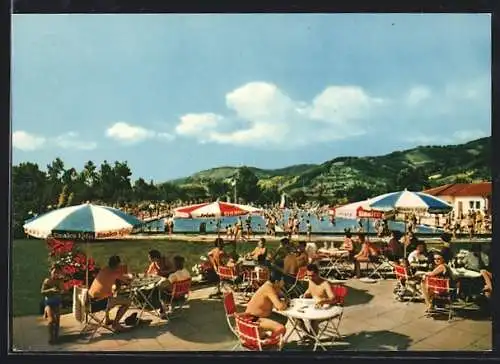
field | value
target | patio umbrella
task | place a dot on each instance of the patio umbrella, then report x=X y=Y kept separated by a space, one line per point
x=356 y=210
x=408 y=201
x=214 y=210
x=84 y=222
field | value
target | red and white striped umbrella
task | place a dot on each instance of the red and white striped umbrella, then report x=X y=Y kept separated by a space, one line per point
x=214 y=210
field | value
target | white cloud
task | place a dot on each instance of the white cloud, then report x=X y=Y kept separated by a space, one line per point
x=128 y=133
x=467 y=135
x=27 y=142
x=165 y=136
x=30 y=142
x=197 y=124
x=265 y=116
x=71 y=140
x=418 y=94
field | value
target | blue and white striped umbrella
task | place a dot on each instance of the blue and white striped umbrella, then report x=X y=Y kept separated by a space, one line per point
x=408 y=201
x=82 y=222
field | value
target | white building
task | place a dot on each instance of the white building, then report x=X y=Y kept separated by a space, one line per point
x=465 y=196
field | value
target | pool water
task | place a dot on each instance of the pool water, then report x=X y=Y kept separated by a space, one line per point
x=321 y=225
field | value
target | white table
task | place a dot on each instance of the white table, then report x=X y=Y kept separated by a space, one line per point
x=303 y=309
x=465 y=273
x=141 y=292
x=334 y=260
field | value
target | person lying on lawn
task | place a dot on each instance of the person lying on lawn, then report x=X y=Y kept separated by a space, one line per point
x=102 y=289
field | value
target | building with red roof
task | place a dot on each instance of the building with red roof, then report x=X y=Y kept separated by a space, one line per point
x=465 y=196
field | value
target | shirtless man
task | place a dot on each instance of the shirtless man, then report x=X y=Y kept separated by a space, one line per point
x=102 y=288
x=260 y=307
x=319 y=289
x=216 y=253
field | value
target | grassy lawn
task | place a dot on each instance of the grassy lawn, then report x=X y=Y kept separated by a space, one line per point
x=30 y=263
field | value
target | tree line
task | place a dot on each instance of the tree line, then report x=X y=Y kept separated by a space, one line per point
x=35 y=191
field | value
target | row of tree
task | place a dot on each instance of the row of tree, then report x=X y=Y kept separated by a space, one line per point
x=36 y=191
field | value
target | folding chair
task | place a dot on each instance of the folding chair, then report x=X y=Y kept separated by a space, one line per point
x=228 y=276
x=178 y=297
x=441 y=293
x=380 y=265
x=300 y=277
x=249 y=336
x=88 y=311
x=254 y=279
x=230 y=310
x=405 y=285
x=340 y=293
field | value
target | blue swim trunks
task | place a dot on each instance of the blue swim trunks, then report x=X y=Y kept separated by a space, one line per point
x=53 y=301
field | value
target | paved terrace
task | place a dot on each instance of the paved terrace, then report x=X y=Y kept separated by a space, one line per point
x=373 y=320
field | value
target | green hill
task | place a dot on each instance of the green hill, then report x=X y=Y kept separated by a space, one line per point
x=420 y=167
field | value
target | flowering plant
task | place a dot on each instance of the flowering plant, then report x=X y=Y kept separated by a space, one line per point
x=71 y=262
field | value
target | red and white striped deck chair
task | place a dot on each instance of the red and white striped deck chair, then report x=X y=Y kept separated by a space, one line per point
x=228 y=276
x=248 y=333
x=406 y=285
x=300 y=277
x=230 y=310
x=441 y=292
x=340 y=293
x=179 y=296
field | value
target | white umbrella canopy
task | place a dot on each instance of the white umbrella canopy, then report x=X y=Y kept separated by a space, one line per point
x=355 y=210
x=214 y=210
x=82 y=222
x=85 y=222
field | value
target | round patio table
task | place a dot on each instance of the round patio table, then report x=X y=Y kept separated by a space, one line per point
x=303 y=309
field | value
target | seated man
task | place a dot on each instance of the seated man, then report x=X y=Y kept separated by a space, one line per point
x=319 y=289
x=157 y=264
x=418 y=256
x=394 y=247
x=102 y=288
x=302 y=257
x=278 y=257
x=180 y=274
x=291 y=263
x=260 y=307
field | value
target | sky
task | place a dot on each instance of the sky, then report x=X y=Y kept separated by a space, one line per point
x=175 y=94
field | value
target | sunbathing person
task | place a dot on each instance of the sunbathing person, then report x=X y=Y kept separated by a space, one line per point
x=259 y=250
x=102 y=289
x=260 y=307
x=319 y=289
x=52 y=288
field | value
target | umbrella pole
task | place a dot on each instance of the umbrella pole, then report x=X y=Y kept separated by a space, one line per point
x=87 y=267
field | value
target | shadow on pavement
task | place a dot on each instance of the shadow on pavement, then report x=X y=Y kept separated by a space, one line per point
x=357 y=297
x=203 y=322
x=382 y=340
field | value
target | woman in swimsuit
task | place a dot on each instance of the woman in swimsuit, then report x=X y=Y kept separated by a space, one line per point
x=52 y=289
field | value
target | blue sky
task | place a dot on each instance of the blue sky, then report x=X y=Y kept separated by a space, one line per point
x=175 y=94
